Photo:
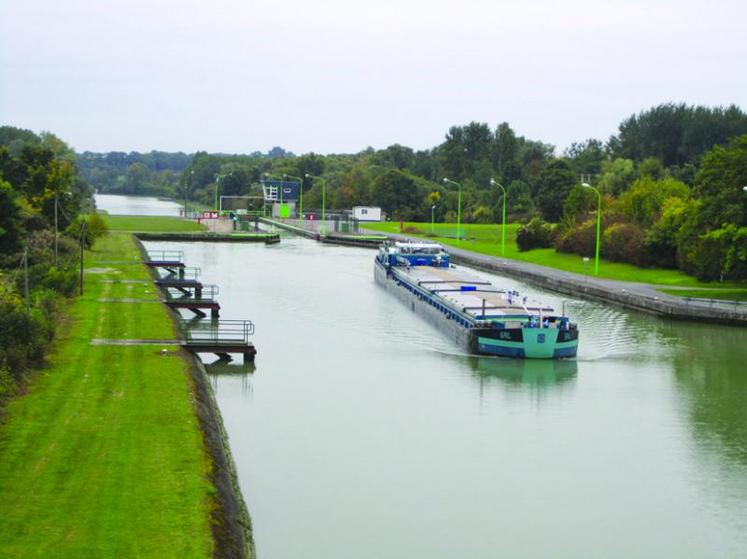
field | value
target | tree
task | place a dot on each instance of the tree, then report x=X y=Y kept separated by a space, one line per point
x=505 y=153
x=397 y=194
x=586 y=157
x=136 y=178
x=718 y=185
x=642 y=203
x=10 y=220
x=677 y=133
x=556 y=183
x=394 y=157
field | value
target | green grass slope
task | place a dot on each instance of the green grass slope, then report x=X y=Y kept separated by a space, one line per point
x=103 y=457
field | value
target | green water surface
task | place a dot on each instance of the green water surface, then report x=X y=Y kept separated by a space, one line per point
x=365 y=433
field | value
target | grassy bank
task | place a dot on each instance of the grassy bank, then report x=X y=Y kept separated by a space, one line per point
x=486 y=239
x=103 y=457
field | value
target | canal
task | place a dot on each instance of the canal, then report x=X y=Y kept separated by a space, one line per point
x=363 y=432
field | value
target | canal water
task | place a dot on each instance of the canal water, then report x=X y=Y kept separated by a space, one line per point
x=136 y=205
x=364 y=432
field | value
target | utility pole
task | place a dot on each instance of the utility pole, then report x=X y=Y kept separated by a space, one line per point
x=26 y=277
x=55 y=230
x=82 y=236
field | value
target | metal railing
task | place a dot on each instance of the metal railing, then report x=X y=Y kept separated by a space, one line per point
x=208 y=292
x=217 y=332
x=166 y=255
x=185 y=273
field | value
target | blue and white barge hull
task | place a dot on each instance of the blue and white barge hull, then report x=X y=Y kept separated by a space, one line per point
x=479 y=316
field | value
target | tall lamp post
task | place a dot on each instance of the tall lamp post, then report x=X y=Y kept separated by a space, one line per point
x=300 y=188
x=323 y=228
x=459 y=207
x=433 y=213
x=186 y=188
x=217 y=182
x=503 y=226
x=599 y=225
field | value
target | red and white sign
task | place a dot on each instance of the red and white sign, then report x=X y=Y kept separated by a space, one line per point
x=209 y=214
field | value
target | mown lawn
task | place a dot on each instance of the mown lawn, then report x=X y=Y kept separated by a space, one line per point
x=155 y=224
x=486 y=239
x=103 y=457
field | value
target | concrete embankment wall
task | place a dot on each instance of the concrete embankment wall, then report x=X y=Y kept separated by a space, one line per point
x=210 y=237
x=663 y=306
x=232 y=529
x=634 y=296
x=330 y=238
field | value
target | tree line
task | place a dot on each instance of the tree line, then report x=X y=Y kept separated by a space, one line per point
x=671 y=181
x=39 y=179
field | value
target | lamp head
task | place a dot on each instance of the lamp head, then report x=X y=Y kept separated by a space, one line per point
x=308 y=176
x=446 y=180
x=585 y=185
x=492 y=182
x=433 y=207
x=744 y=188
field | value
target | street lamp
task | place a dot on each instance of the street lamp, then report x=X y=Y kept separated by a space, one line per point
x=459 y=206
x=503 y=226
x=323 y=228
x=300 y=188
x=186 y=188
x=433 y=213
x=744 y=188
x=217 y=181
x=599 y=225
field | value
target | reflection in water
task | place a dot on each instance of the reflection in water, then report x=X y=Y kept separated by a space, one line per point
x=711 y=371
x=232 y=369
x=534 y=373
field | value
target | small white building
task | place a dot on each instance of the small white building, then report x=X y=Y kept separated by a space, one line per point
x=367 y=213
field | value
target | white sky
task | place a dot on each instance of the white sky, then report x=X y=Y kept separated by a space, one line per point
x=338 y=76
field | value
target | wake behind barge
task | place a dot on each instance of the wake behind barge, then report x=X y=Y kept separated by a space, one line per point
x=480 y=317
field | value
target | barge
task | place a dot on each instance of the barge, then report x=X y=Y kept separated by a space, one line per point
x=480 y=317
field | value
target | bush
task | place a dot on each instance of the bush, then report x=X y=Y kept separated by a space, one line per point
x=535 y=234
x=720 y=254
x=64 y=282
x=624 y=242
x=95 y=228
x=23 y=335
x=580 y=239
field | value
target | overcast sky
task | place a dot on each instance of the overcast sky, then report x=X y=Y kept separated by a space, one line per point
x=245 y=75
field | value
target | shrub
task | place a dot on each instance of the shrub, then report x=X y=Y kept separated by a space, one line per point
x=64 y=282
x=720 y=254
x=95 y=228
x=624 y=242
x=580 y=239
x=23 y=335
x=535 y=234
